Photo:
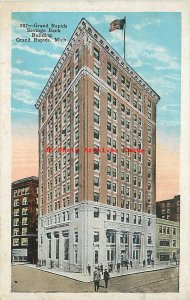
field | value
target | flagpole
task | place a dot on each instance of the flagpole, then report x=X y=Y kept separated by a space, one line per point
x=124 y=38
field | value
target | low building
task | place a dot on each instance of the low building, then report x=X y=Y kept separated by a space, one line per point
x=169 y=209
x=24 y=211
x=168 y=240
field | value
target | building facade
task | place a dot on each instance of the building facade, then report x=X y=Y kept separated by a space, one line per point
x=169 y=209
x=168 y=240
x=97 y=131
x=24 y=209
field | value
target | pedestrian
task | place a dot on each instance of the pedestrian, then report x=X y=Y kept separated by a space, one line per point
x=106 y=278
x=144 y=262
x=89 y=270
x=152 y=261
x=101 y=268
x=118 y=267
x=96 y=279
x=127 y=264
x=131 y=264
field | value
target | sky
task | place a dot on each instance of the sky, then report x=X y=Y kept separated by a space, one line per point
x=153 y=49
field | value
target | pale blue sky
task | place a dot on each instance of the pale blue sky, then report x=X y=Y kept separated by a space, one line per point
x=153 y=49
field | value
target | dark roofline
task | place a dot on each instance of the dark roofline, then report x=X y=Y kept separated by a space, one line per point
x=61 y=59
x=175 y=196
x=26 y=179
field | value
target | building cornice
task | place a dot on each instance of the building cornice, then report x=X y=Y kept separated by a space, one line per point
x=85 y=25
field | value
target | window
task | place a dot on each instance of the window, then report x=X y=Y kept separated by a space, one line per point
x=149 y=240
x=16 y=202
x=16 y=231
x=109 y=66
x=76 y=237
x=76 y=213
x=24 y=241
x=76 y=182
x=96 y=181
x=174 y=231
x=134 y=219
x=164 y=243
x=96 y=212
x=136 y=239
x=109 y=97
x=16 y=222
x=109 y=81
x=96 y=118
x=127 y=218
x=122 y=79
x=114 y=101
x=16 y=212
x=109 y=170
x=109 y=185
x=96 y=103
x=96 y=70
x=114 y=71
x=96 y=88
x=139 y=220
x=96 y=165
x=108 y=199
x=16 y=242
x=96 y=134
x=24 y=221
x=122 y=217
x=108 y=214
x=114 y=215
x=110 y=237
x=24 y=211
x=174 y=243
x=76 y=54
x=96 y=236
x=96 y=54
x=114 y=86
x=149 y=222
x=96 y=197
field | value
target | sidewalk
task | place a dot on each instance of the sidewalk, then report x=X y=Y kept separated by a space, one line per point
x=86 y=278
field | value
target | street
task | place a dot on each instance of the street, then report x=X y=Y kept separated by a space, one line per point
x=25 y=279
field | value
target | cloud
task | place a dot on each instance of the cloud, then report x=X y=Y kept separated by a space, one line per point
x=28 y=73
x=18 y=61
x=145 y=23
x=142 y=51
x=169 y=108
x=105 y=19
x=28 y=83
x=25 y=111
x=24 y=96
x=36 y=52
x=46 y=69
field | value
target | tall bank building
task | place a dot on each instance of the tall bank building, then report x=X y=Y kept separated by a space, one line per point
x=96 y=200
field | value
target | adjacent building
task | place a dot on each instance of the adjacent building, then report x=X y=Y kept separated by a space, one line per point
x=169 y=209
x=97 y=147
x=24 y=209
x=168 y=240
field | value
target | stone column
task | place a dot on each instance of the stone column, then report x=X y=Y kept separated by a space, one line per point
x=130 y=247
x=118 y=248
x=60 y=250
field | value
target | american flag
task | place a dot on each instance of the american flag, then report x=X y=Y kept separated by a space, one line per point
x=117 y=24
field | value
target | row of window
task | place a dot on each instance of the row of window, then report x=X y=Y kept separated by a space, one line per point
x=166 y=243
x=17 y=242
x=16 y=231
x=23 y=212
x=167 y=230
x=24 y=201
x=17 y=223
x=22 y=191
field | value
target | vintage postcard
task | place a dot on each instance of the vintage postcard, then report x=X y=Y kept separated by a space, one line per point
x=95 y=199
